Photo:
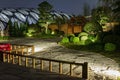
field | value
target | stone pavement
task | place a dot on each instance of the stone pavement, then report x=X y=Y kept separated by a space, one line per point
x=99 y=65
x=15 y=72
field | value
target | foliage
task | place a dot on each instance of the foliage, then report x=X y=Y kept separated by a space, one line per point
x=76 y=40
x=92 y=37
x=84 y=38
x=45 y=7
x=57 y=32
x=65 y=40
x=88 y=41
x=33 y=30
x=17 y=30
x=92 y=27
x=45 y=17
x=112 y=39
x=86 y=9
x=118 y=78
x=102 y=14
x=4 y=37
x=116 y=10
x=71 y=36
x=109 y=47
x=82 y=34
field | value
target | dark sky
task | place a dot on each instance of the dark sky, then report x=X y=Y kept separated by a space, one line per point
x=67 y=6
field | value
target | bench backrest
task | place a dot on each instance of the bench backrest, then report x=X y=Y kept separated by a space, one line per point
x=5 y=47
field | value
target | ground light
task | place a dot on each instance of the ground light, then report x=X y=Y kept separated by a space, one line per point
x=43 y=47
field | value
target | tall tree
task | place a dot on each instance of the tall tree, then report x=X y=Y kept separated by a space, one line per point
x=116 y=10
x=45 y=15
x=86 y=9
x=107 y=3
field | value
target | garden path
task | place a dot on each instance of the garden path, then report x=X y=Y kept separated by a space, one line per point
x=99 y=65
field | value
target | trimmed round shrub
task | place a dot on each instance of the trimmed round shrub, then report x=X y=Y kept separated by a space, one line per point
x=88 y=41
x=65 y=40
x=82 y=34
x=76 y=40
x=92 y=27
x=112 y=39
x=110 y=47
x=84 y=38
x=71 y=36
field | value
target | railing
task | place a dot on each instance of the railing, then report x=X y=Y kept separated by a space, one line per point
x=22 y=49
x=18 y=59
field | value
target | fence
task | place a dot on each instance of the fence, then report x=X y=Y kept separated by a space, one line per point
x=18 y=59
x=22 y=49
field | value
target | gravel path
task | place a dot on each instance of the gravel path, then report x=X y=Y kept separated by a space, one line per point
x=99 y=65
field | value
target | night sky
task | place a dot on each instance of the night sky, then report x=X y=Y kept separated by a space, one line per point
x=67 y=6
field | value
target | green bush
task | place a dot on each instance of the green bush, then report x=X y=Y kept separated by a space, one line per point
x=112 y=39
x=49 y=31
x=76 y=40
x=71 y=36
x=110 y=47
x=88 y=41
x=61 y=33
x=82 y=34
x=84 y=38
x=4 y=37
x=65 y=40
x=17 y=30
x=92 y=27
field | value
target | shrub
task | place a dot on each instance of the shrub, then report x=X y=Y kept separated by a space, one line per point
x=92 y=27
x=61 y=33
x=88 y=41
x=84 y=38
x=112 y=39
x=109 y=47
x=31 y=32
x=56 y=31
x=65 y=40
x=82 y=34
x=4 y=37
x=49 y=31
x=76 y=40
x=17 y=30
x=91 y=37
x=71 y=36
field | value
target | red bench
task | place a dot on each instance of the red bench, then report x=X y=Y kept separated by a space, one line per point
x=5 y=47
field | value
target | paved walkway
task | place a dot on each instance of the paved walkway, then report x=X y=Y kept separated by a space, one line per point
x=15 y=72
x=99 y=65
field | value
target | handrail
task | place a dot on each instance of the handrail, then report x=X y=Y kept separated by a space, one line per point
x=61 y=62
x=17 y=47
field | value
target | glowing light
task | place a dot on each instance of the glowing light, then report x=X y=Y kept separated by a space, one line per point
x=112 y=72
x=107 y=72
x=37 y=49
x=53 y=32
